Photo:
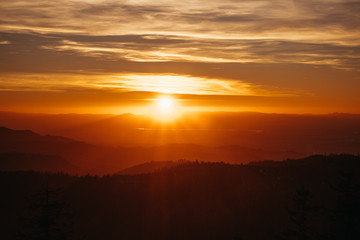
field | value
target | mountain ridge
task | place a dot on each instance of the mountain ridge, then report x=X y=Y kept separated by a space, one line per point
x=106 y=160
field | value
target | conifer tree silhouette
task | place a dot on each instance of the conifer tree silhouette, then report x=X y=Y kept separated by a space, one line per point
x=346 y=215
x=47 y=219
x=237 y=237
x=300 y=215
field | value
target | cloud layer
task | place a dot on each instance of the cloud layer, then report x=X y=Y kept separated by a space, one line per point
x=257 y=47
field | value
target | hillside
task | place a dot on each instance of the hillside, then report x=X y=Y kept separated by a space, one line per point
x=15 y=161
x=195 y=200
x=149 y=167
x=81 y=154
x=97 y=159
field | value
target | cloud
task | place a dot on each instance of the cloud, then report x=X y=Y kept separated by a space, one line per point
x=170 y=48
x=264 y=62
x=277 y=47
x=207 y=18
x=152 y=83
x=103 y=93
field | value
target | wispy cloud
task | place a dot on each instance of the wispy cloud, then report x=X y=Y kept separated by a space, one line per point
x=309 y=31
x=247 y=18
x=160 y=83
x=170 y=48
x=239 y=48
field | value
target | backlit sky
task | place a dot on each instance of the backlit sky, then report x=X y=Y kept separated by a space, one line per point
x=105 y=56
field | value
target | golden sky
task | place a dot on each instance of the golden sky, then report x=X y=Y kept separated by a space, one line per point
x=105 y=56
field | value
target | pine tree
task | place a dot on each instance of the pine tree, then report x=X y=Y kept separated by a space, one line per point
x=300 y=215
x=47 y=218
x=346 y=215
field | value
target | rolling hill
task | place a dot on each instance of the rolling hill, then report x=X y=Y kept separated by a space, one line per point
x=104 y=159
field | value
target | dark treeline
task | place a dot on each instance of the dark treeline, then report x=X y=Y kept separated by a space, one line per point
x=312 y=198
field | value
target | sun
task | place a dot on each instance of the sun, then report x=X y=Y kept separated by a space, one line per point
x=165 y=108
x=165 y=103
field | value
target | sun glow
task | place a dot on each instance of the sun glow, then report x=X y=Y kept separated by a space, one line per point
x=165 y=108
x=165 y=103
x=176 y=84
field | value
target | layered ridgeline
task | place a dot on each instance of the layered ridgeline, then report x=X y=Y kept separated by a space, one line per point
x=320 y=134
x=26 y=150
x=18 y=161
x=311 y=198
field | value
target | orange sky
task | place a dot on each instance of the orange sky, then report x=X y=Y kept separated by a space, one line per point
x=105 y=56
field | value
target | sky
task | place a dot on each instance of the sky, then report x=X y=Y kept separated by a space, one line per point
x=106 y=56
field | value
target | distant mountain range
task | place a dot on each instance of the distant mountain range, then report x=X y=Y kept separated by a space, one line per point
x=103 y=159
x=81 y=154
x=313 y=134
x=15 y=161
x=149 y=167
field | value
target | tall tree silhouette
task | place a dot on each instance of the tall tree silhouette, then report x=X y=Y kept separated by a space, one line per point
x=346 y=215
x=300 y=215
x=47 y=218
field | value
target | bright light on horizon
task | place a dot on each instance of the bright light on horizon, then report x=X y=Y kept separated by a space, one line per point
x=165 y=108
x=165 y=103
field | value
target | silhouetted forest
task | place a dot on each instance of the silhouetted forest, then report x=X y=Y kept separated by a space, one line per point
x=312 y=198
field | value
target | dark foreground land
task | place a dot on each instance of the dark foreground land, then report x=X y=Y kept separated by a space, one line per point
x=312 y=198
